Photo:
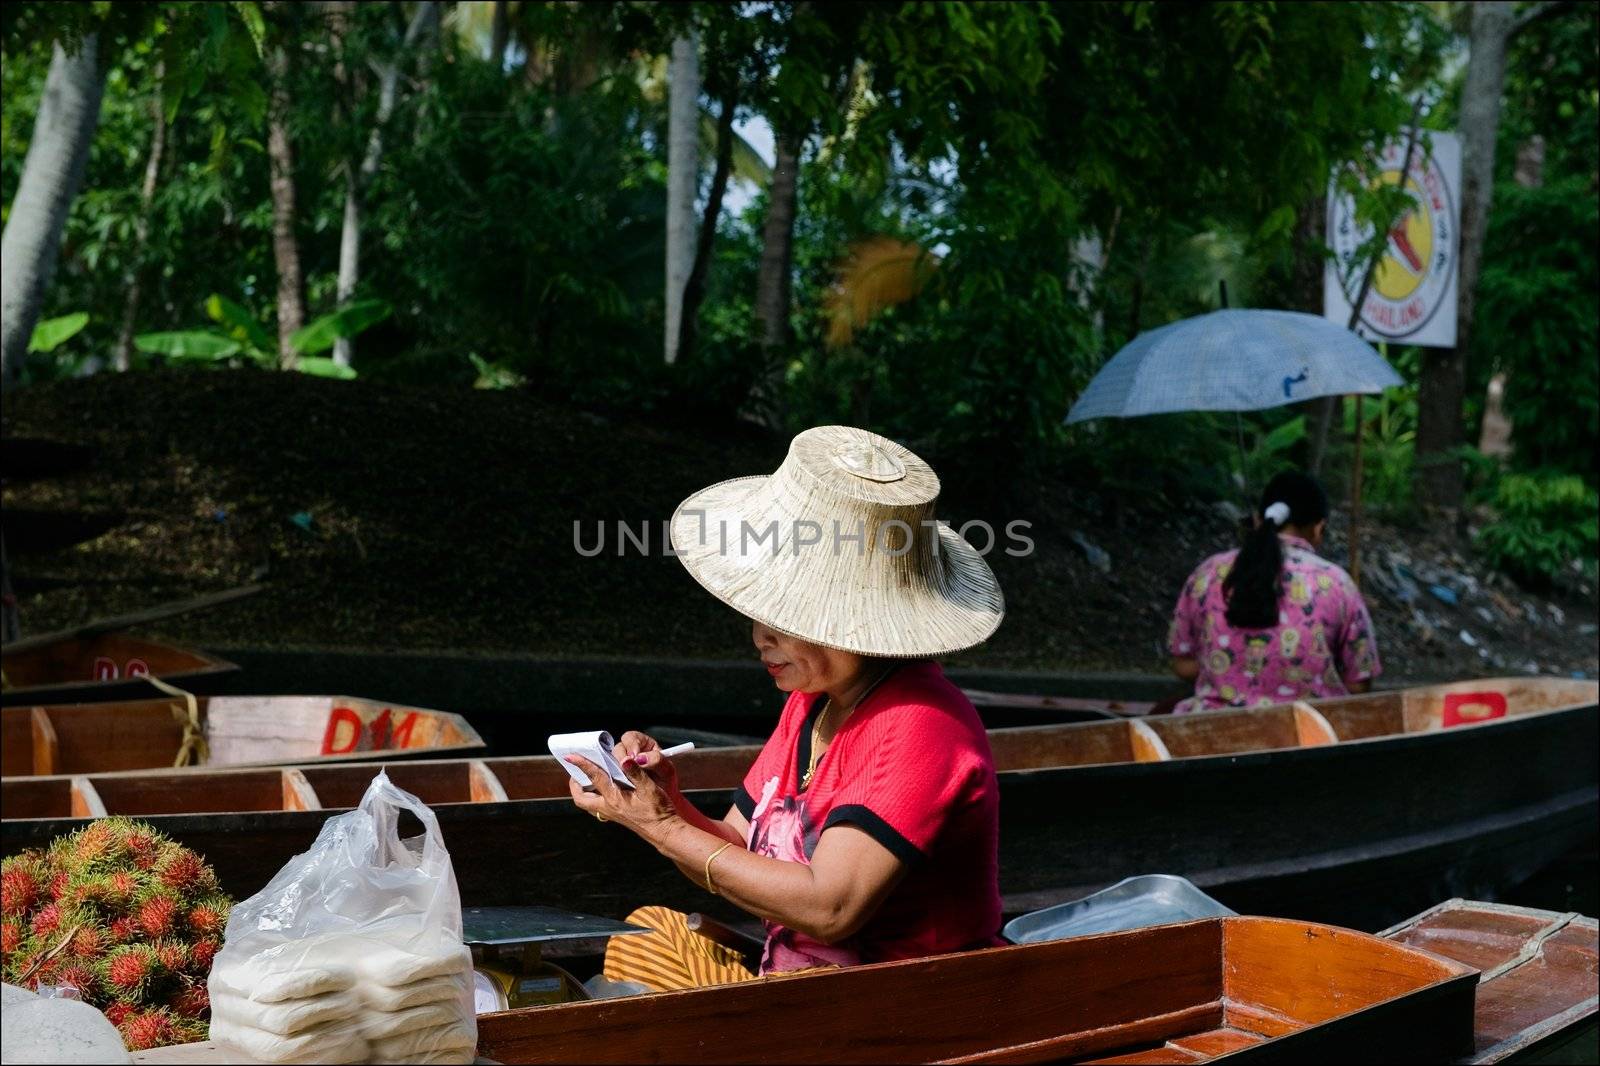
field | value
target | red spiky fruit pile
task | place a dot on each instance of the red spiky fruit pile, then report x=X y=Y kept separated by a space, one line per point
x=137 y=920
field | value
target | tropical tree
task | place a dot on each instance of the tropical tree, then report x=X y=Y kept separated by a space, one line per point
x=57 y=155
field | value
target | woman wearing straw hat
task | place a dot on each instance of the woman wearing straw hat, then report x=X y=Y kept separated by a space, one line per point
x=868 y=827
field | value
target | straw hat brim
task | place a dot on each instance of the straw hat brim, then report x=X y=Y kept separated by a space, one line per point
x=961 y=607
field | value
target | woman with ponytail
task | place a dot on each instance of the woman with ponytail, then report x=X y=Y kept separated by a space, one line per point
x=1273 y=621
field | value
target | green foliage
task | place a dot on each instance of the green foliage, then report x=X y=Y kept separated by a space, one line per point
x=1082 y=172
x=321 y=334
x=1543 y=523
x=51 y=333
x=1538 y=301
x=238 y=336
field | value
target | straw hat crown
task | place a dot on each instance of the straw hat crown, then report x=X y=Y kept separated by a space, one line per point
x=840 y=547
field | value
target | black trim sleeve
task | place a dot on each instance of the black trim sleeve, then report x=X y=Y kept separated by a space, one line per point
x=868 y=821
x=745 y=802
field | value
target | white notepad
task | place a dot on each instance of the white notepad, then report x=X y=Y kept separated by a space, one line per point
x=596 y=747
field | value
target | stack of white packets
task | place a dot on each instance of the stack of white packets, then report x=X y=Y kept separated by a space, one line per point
x=345 y=998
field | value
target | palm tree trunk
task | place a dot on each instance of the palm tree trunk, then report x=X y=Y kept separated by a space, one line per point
x=356 y=179
x=683 y=178
x=773 y=282
x=122 y=355
x=285 y=245
x=777 y=246
x=694 y=291
x=500 y=35
x=1443 y=380
x=58 y=154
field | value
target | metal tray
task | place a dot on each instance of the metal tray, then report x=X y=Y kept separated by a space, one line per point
x=1151 y=899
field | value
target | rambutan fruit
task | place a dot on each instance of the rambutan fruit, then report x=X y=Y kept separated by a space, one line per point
x=172 y=955
x=95 y=841
x=46 y=920
x=123 y=929
x=116 y=1012
x=59 y=883
x=79 y=975
x=123 y=883
x=11 y=934
x=19 y=889
x=209 y=917
x=192 y=999
x=157 y=915
x=201 y=954
x=89 y=942
x=127 y=970
x=180 y=870
x=147 y=1029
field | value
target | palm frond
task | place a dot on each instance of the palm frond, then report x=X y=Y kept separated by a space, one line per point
x=879 y=272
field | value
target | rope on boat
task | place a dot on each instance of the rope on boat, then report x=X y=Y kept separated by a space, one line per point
x=194 y=750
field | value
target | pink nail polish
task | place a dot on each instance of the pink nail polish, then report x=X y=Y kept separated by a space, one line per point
x=638 y=760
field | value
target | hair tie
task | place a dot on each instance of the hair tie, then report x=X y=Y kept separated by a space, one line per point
x=1277 y=513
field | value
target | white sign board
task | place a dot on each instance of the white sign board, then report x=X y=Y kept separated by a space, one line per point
x=1412 y=298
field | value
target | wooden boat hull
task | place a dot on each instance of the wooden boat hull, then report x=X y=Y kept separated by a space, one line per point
x=107 y=666
x=132 y=735
x=1259 y=990
x=1358 y=833
x=1536 y=998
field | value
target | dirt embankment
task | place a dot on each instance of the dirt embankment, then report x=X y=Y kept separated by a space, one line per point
x=406 y=519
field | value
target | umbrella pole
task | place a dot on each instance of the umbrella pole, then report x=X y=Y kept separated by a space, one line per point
x=1355 y=498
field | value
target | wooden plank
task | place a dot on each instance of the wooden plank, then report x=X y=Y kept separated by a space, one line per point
x=46 y=748
x=1537 y=989
x=86 y=802
x=1214 y=1042
x=1072 y=1045
x=482 y=785
x=1147 y=744
x=1131 y=996
x=917 y=1011
x=298 y=795
x=1266 y=961
x=1311 y=728
x=133 y=618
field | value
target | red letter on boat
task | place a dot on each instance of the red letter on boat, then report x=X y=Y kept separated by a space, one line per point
x=1461 y=708
x=336 y=717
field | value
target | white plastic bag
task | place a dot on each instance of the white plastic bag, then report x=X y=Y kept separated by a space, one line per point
x=346 y=948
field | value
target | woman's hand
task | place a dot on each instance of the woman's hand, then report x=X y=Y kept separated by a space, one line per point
x=635 y=745
x=647 y=808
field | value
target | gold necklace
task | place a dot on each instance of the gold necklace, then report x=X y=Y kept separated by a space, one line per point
x=822 y=717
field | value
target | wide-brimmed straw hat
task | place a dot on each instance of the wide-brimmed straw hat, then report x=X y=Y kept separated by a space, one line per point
x=840 y=547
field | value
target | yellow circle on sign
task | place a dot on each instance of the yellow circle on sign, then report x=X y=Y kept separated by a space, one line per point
x=1404 y=265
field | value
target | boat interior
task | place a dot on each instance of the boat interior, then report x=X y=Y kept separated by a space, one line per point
x=1538 y=967
x=113 y=656
x=1175 y=993
x=331 y=785
x=88 y=738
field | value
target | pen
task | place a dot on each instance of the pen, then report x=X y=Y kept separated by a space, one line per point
x=676 y=749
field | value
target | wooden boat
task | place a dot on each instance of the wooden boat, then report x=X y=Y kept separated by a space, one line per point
x=102 y=666
x=1258 y=989
x=91 y=738
x=1358 y=811
x=1536 y=993
x=1056 y=708
x=1253 y=989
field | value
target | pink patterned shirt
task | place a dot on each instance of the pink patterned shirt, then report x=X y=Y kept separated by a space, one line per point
x=1323 y=639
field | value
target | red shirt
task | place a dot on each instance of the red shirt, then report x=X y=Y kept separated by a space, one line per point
x=910 y=767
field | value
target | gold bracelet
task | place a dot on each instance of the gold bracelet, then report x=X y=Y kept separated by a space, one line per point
x=711 y=886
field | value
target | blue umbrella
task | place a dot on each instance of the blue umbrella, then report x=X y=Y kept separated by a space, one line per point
x=1234 y=360
x=1241 y=360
